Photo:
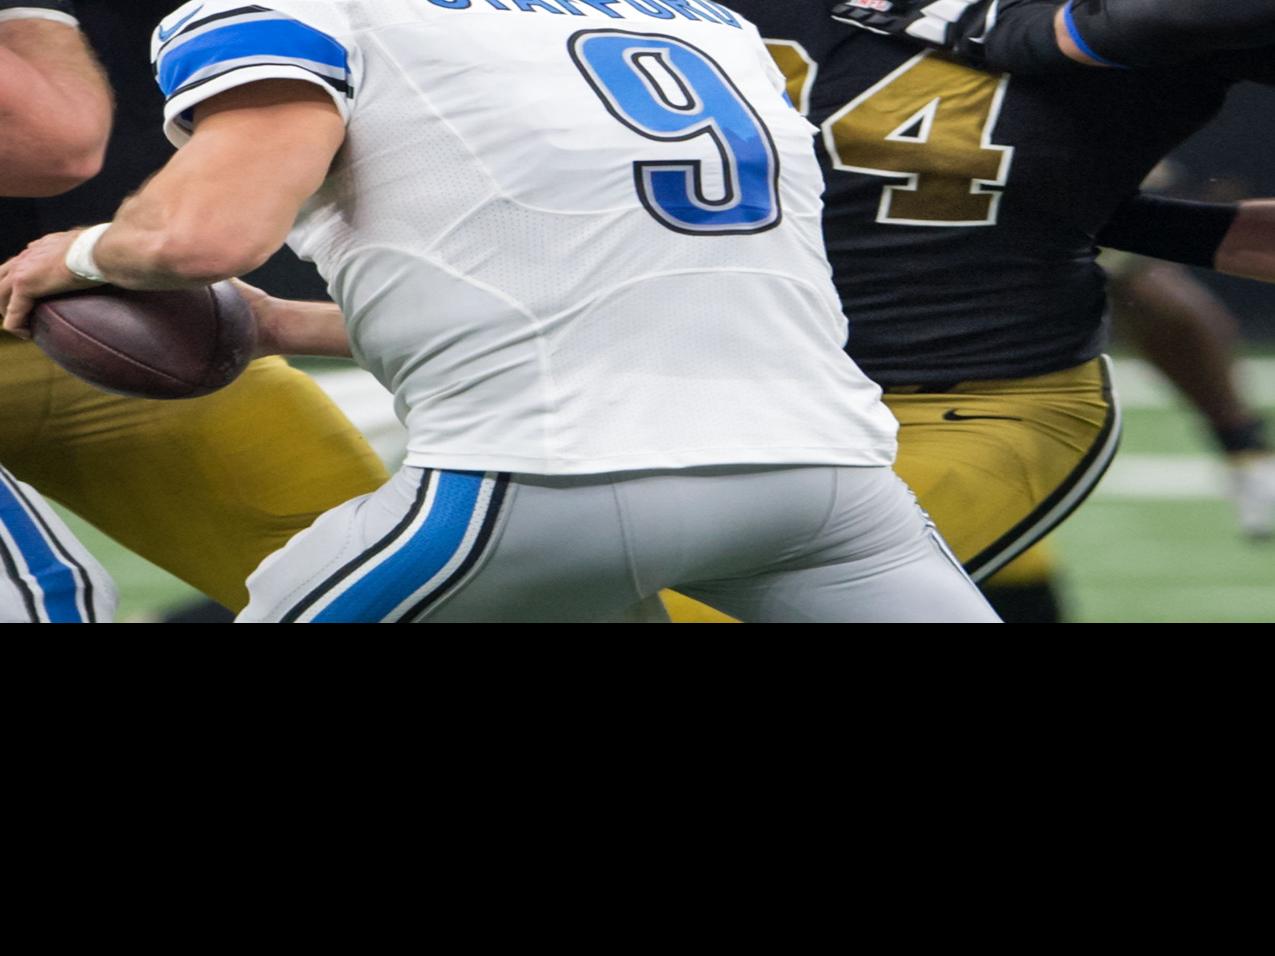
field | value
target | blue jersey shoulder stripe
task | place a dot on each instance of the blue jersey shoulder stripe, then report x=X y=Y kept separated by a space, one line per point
x=280 y=40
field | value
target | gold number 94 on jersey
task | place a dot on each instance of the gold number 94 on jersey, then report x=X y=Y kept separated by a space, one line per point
x=929 y=124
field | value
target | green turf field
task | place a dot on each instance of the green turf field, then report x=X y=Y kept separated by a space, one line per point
x=1157 y=542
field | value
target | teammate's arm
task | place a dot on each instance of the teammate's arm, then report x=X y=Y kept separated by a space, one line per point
x=220 y=207
x=55 y=103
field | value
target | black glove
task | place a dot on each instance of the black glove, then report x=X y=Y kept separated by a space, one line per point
x=35 y=9
x=1012 y=35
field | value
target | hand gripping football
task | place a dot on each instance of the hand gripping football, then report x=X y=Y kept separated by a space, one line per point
x=176 y=344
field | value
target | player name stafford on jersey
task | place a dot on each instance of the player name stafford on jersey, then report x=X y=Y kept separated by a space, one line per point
x=704 y=10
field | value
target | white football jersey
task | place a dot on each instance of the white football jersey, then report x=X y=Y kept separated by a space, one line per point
x=570 y=236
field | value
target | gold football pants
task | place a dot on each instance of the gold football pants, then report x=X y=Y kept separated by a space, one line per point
x=997 y=464
x=205 y=488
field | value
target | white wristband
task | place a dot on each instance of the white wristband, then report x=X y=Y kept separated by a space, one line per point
x=38 y=13
x=79 y=258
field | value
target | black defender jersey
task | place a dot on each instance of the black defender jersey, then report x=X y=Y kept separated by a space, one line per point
x=963 y=207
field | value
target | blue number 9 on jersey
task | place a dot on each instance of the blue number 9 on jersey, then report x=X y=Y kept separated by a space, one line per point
x=668 y=90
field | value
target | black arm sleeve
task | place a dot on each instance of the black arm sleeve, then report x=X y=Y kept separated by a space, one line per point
x=1023 y=40
x=1156 y=32
x=1174 y=229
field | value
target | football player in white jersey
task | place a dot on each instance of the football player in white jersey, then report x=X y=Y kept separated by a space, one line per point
x=531 y=212
x=55 y=114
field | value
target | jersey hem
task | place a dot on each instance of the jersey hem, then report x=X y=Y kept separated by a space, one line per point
x=880 y=456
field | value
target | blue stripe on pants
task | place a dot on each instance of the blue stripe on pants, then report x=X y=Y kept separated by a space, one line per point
x=56 y=578
x=417 y=559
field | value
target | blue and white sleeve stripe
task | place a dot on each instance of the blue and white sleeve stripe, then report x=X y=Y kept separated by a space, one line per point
x=198 y=57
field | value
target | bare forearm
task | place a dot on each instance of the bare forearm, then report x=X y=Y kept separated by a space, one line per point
x=218 y=209
x=55 y=108
x=147 y=247
x=289 y=327
x=185 y=228
x=1249 y=247
x=224 y=203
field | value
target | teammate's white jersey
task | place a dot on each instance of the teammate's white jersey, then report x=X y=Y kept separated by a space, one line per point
x=570 y=236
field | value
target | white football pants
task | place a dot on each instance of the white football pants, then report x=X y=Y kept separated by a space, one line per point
x=761 y=544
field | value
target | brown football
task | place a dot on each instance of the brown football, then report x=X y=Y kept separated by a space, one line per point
x=175 y=344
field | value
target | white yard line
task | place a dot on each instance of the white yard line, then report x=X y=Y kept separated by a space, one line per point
x=1169 y=477
x=1164 y=477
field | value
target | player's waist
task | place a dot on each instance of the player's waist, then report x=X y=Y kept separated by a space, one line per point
x=938 y=356
x=1086 y=376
